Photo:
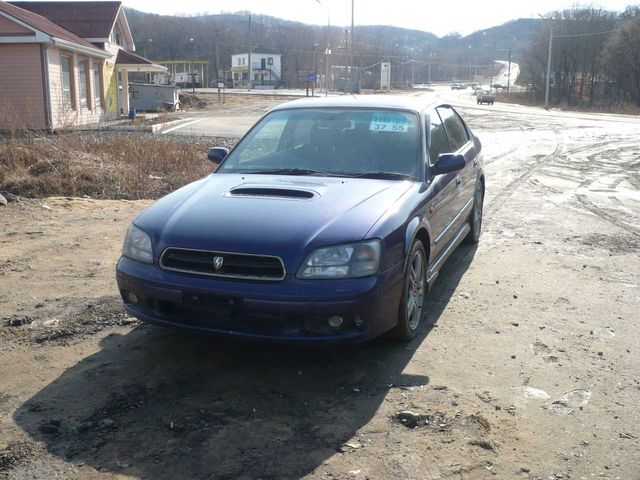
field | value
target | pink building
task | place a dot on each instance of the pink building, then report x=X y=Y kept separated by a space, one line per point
x=62 y=64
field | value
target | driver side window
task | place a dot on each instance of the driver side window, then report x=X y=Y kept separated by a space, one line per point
x=438 y=141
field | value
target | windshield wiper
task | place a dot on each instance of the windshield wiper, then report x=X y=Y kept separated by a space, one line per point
x=379 y=175
x=286 y=171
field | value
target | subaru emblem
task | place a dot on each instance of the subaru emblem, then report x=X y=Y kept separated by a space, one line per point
x=217 y=262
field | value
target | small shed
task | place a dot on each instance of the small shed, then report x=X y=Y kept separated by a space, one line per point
x=153 y=98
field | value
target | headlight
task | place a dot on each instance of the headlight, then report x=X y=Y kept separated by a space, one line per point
x=137 y=245
x=352 y=260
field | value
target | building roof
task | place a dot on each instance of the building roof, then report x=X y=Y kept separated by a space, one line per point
x=130 y=58
x=43 y=24
x=396 y=102
x=84 y=19
x=140 y=64
x=258 y=49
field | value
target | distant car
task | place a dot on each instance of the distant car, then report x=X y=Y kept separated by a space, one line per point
x=458 y=86
x=327 y=222
x=486 y=97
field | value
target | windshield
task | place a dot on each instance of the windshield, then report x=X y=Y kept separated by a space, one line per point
x=334 y=142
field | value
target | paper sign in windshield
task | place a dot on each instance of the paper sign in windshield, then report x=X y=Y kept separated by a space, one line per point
x=389 y=122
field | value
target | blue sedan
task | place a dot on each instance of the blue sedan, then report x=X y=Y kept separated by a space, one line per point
x=328 y=222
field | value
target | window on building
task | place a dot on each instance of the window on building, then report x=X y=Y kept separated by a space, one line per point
x=67 y=82
x=83 y=83
x=97 y=85
x=116 y=36
x=269 y=60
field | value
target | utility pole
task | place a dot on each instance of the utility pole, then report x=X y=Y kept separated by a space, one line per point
x=429 y=74
x=509 y=74
x=250 y=69
x=351 y=62
x=546 y=90
x=327 y=51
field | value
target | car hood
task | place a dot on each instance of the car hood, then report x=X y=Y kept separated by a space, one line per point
x=270 y=215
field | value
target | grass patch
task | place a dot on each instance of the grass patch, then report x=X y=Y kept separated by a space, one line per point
x=102 y=165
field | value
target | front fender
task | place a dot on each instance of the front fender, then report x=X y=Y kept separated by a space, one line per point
x=413 y=227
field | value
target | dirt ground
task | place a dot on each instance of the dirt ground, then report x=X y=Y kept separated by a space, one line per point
x=528 y=367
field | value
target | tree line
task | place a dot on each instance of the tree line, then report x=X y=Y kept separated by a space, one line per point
x=416 y=56
x=595 y=59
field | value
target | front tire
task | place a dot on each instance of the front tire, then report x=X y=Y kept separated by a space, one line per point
x=475 y=217
x=414 y=293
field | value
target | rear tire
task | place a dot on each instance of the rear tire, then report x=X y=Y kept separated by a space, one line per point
x=414 y=293
x=475 y=217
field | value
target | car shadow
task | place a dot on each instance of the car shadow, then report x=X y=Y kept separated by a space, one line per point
x=156 y=404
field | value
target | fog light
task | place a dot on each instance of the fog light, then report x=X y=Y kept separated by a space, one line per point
x=335 y=321
x=132 y=297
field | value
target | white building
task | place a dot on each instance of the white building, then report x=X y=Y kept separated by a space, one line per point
x=266 y=68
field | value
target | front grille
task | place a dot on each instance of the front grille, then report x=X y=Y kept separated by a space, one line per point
x=230 y=265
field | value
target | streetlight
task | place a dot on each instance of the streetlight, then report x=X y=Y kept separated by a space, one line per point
x=149 y=42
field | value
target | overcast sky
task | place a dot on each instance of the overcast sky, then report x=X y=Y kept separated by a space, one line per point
x=439 y=17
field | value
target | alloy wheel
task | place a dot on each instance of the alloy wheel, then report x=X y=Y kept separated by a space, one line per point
x=415 y=290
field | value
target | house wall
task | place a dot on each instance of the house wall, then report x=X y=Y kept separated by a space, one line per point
x=65 y=116
x=22 y=104
x=240 y=68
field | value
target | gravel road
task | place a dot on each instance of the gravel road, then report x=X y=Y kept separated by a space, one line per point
x=528 y=367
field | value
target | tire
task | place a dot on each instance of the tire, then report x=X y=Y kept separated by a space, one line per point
x=414 y=294
x=475 y=217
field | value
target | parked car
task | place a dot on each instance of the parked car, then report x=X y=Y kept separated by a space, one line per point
x=327 y=222
x=458 y=86
x=486 y=97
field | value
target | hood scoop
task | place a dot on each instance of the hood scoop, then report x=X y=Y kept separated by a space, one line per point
x=272 y=192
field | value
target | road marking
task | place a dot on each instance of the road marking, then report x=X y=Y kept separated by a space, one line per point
x=183 y=125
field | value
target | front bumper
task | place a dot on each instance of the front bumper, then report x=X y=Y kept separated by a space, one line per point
x=292 y=310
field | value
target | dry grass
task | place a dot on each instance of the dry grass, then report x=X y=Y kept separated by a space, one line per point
x=99 y=165
x=601 y=106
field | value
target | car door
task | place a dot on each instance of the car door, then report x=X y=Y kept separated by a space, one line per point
x=442 y=206
x=461 y=143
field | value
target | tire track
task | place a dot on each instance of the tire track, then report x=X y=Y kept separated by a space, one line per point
x=501 y=197
x=515 y=147
x=604 y=215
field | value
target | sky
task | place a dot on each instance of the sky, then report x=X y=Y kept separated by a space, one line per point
x=439 y=17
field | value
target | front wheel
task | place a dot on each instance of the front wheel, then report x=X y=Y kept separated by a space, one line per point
x=475 y=217
x=414 y=293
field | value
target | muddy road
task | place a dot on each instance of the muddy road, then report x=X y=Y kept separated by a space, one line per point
x=528 y=367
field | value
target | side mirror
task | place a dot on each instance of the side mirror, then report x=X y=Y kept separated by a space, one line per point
x=447 y=163
x=217 y=154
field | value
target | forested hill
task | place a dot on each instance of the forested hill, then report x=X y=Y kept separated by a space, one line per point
x=216 y=37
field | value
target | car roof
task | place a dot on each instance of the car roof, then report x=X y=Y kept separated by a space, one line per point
x=398 y=102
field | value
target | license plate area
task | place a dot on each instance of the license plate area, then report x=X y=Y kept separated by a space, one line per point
x=211 y=301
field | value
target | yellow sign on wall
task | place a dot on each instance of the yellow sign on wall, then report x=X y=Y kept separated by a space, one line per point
x=110 y=88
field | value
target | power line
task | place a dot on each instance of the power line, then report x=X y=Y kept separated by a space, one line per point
x=583 y=34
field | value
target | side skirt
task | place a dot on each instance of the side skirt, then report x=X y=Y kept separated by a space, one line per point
x=434 y=268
